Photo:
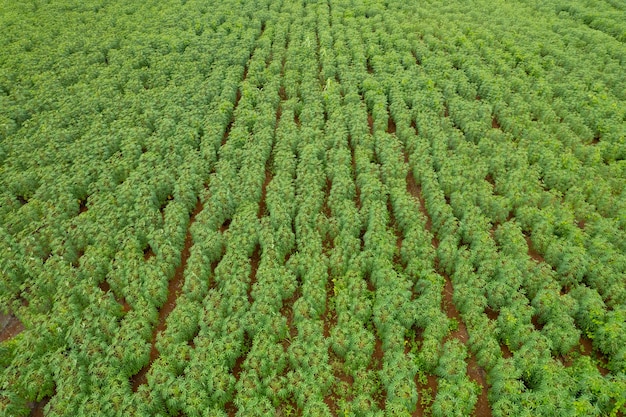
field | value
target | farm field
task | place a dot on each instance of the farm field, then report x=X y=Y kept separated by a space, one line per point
x=312 y=208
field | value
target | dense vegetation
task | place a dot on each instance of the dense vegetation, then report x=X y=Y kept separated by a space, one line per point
x=315 y=208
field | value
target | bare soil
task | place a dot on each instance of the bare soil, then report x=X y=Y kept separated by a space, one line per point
x=10 y=326
x=173 y=291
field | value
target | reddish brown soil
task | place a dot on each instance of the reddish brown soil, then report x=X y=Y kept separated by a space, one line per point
x=377 y=357
x=451 y=311
x=391 y=126
x=79 y=254
x=330 y=316
x=490 y=180
x=357 y=198
x=173 y=291
x=478 y=375
x=585 y=348
x=279 y=114
x=237 y=367
x=227 y=131
x=395 y=227
x=326 y=207
x=492 y=314
x=232 y=119
x=148 y=253
x=105 y=287
x=535 y=321
x=262 y=203
x=532 y=252
x=422 y=389
x=414 y=127
x=37 y=409
x=369 y=283
x=474 y=371
x=254 y=263
x=82 y=206
x=416 y=191
x=10 y=326
x=494 y=123
x=230 y=409
x=282 y=93
x=287 y=312
x=581 y=224
x=341 y=378
x=370 y=123
x=506 y=352
x=296 y=119
x=224 y=227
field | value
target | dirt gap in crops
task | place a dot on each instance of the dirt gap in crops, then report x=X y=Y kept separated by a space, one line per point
x=596 y=139
x=357 y=197
x=224 y=227
x=377 y=365
x=531 y=250
x=37 y=408
x=164 y=205
x=296 y=119
x=491 y=313
x=230 y=407
x=82 y=206
x=279 y=114
x=247 y=345
x=343 y=382
x=414 y=127
x=326 y=206
x=262 y=203
x=494 y=123
x=391 y=125
x=148 y=253
x=173 y=291
x=535 y=321
x=506 y=352
x=105 y=287
x=235 y=105
x=370 y=123
x=330 y=316
x=393 y=223
x=474 y=371
x=287 y=312
x=10 y=326
x=426 y=393
x=426 y=384
x=255 y=260
x=415 y=191
x=585 y=348
x=79 y=254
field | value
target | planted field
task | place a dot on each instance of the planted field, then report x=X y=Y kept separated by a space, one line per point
x=312 y=208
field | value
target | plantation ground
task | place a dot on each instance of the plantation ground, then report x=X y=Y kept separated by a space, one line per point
x=313 y=208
